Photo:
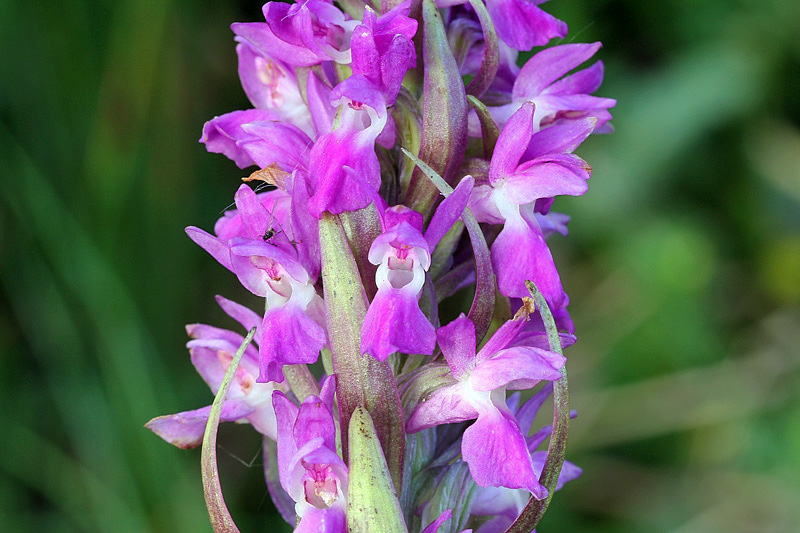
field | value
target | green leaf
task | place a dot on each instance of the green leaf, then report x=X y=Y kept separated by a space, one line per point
x=372 y=505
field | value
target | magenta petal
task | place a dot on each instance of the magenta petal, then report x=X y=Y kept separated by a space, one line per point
x=501 y=339
x=286 y=415
x=482 y=205
x=457 y=341
x=545 y=179
x=519 y=364
x=395 y=215
x=246 y=317
x=497 y=453
x=520 y=253
x=289 y=337
x=444 y=406
x=255 y=218
x=584 y=81
x=322 y=521
x=255 y=262
x=185 y=430
x=549 y=65
x=522 y=25
x=395 y=323
x=322 y=112
x=262 y=37
x=305 y=227
x=276 y=142
x=449 y=211
x=223 y=133
x=433 y=527
x=560 y=138
x=218 y=249
x=315 y=420
x=512 y=143
x=347 y=173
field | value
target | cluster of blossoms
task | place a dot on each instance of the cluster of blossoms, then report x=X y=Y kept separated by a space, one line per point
x=407 y=160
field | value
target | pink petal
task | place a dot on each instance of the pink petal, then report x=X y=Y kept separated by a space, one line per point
x=185 y=430
x=497 y=453
x=395 y=323
x=547 y=66
x=289 y=336
x=521 y=364
x=444 y=406
x=457 y=341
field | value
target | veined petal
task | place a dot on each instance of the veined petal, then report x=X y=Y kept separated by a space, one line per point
x=584 y=81
x=481 y=203
x=544 y=179
x=520 y=253
x=222 y=134
x=218 y=249
x=549 y=65
x=286 y=415
x=346 y=172
x=262 y=37
x=322 y=521
x=522 y=364
x=315 y=420
x=457 y=341
x=560 y=138
x=395 y=323
x=449 y=211
x=322 y=113
x=185 y=430
x=276 y=142
x=445 y=405
x=289 y=336
x=522 y=25
x=512 y=143
x=497 y=453
x=255 y=217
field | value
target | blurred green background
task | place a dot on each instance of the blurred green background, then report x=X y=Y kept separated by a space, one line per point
x=683 y=266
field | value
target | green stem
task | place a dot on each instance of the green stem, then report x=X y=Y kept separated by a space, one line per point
x=535 y=509
x=301 y=381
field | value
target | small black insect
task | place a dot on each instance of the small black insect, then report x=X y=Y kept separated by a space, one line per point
x=270 y=233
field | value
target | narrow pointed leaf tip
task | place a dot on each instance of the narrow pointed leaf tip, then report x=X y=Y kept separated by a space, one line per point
x=221 y=519
x=372 y=505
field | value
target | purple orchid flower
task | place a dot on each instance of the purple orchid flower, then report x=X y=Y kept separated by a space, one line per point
x=292 y=330
x=344 y=169
x=272 y=88
x=310 y=470
x=302 y=34
x=382 y=49
x=543 y=81
x=212 y=351
x=526 y=168
x=494 y=446
x=394 y=321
